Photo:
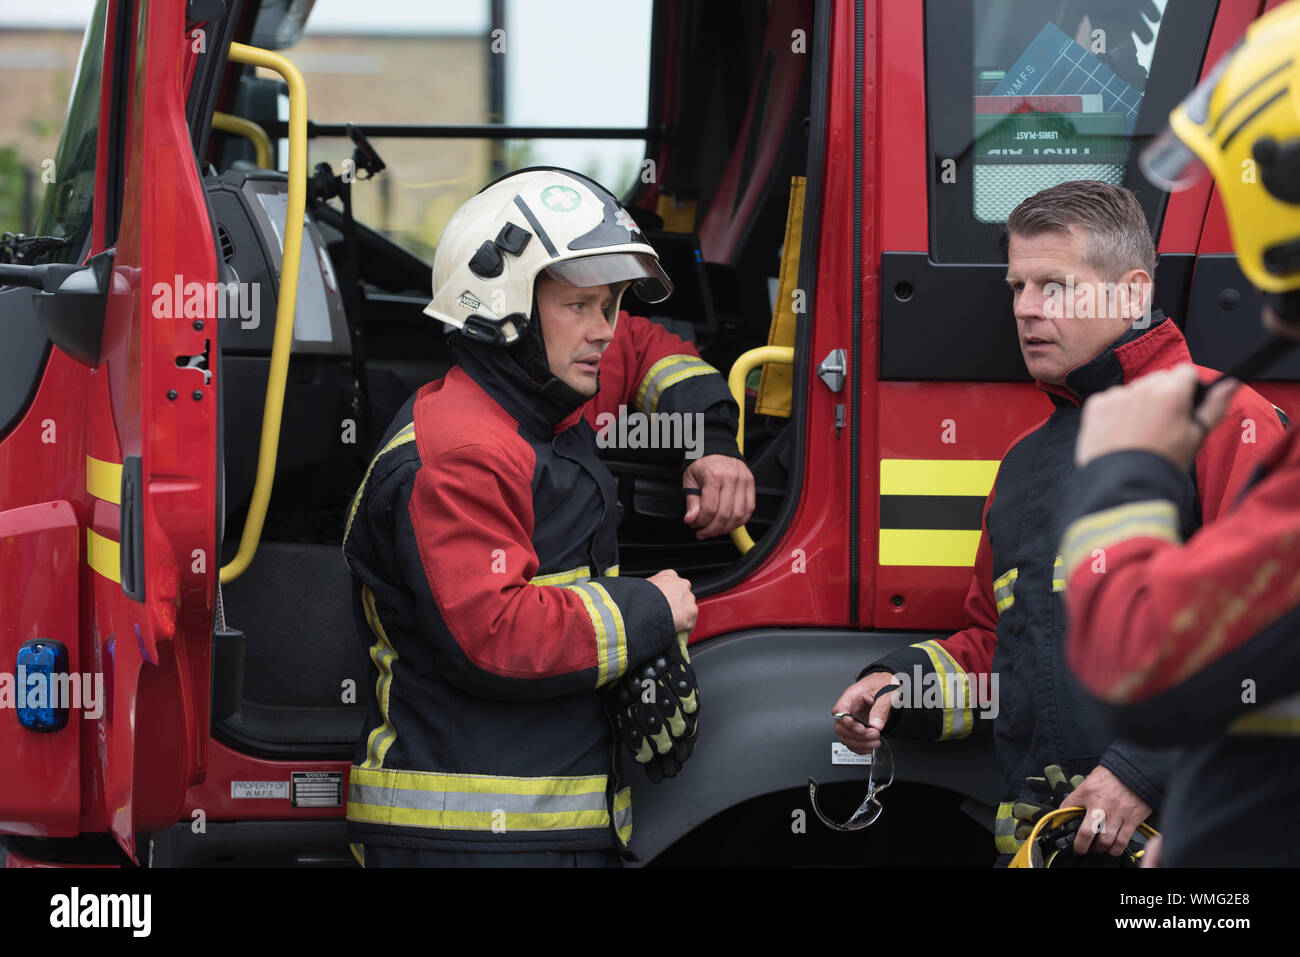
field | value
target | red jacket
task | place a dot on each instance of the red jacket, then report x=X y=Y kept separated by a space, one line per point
x=1015 y=620
x=1196 y=644
x=483 y=550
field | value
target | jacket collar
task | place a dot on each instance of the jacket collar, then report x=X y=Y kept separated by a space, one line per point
x=541 y=413
x=1131 y=356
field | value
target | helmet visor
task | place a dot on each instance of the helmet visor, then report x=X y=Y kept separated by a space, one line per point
x=1170 y=164
x=648 y=280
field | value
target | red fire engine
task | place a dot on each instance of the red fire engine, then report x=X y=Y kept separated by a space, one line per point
x=173 y=480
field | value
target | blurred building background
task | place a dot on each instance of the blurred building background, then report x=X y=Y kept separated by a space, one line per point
x=558 y=63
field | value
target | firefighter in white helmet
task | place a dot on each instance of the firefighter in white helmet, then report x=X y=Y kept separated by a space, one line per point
x=483 y=548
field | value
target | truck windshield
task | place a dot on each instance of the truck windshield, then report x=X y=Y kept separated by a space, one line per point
x=68 y=207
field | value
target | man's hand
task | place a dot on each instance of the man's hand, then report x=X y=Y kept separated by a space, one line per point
x=1152 y=857
x=726 y=498
x=680 y=598
x=860 y=698
x=1112 y=813
x=1153 y=414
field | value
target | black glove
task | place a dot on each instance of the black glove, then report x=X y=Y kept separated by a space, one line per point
x=1054 y=787
x=656 y=709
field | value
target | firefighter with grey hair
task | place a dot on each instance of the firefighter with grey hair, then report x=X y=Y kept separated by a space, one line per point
x=1079 y=267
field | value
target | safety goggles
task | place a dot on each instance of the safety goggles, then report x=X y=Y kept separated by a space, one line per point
x=879 y=777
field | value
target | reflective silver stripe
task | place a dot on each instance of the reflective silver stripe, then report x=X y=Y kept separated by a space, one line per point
x=1004 y=829
x=1280 y=719
x=954 y=686
x=383 y=654
x=1156 y=518
x=1004 y=590
x=611 y=636
x=579 y=574
x=666 y=373
x=474 y=801
x=404 y=435
x=623 y=814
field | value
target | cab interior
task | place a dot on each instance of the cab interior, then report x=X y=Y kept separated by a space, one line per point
x=730 y=123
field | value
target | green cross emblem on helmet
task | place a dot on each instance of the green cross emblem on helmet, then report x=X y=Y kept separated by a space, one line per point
x=561 y=199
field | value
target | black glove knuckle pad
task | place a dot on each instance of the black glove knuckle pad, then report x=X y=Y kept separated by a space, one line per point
x=656 y=711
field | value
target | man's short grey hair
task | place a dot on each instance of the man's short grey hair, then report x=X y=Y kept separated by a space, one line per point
x=1119 y=239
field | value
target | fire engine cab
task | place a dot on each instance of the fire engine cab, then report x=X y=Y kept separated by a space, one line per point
x=209 y=333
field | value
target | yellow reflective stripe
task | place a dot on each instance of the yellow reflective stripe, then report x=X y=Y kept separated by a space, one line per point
x=611 y=634
x=104 y=480
x=937 y=476
x=666 y=373
x=1004 y=830
x=957 y=715
x=104 y=555
x=623 y=814
x=407 y=434
x=1058 y=581
x=562 y=578
x=1004 y=592
x=937 y=663
x=1282 y=718
x=383 y=654
x=703 y=368
x=929 y=546
x=499 y=821
x=359 y=852
x=602 y=639
x=1156 y=518
x=496 y=784
x=1265 y=724
x=620 y=652
x=496 y=803
x=611 y=571
x=653 y=371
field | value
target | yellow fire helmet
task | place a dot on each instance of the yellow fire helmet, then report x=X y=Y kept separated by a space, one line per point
x=1049 y=844
x=530 y=221
x=1243 y=123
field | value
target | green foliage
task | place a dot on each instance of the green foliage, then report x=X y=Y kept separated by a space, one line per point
x=13 y=184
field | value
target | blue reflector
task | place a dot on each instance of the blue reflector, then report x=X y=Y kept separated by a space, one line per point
x=42 y=704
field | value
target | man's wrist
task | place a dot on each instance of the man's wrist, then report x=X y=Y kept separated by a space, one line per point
x=720 y=439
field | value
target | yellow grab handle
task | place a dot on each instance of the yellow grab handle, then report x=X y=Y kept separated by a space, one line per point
x=247 y=129
x=283 y=340
x=740 y=370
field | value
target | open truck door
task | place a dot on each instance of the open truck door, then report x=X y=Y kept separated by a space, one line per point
x=107 y=452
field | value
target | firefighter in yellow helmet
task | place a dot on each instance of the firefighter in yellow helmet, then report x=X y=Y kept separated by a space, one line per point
x=1198 y=644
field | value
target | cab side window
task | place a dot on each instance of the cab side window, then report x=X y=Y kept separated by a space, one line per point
x=1025 y=94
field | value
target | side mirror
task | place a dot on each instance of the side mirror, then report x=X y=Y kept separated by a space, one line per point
x=70 y=302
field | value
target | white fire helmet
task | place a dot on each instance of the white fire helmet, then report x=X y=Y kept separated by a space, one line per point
x=534 y=220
